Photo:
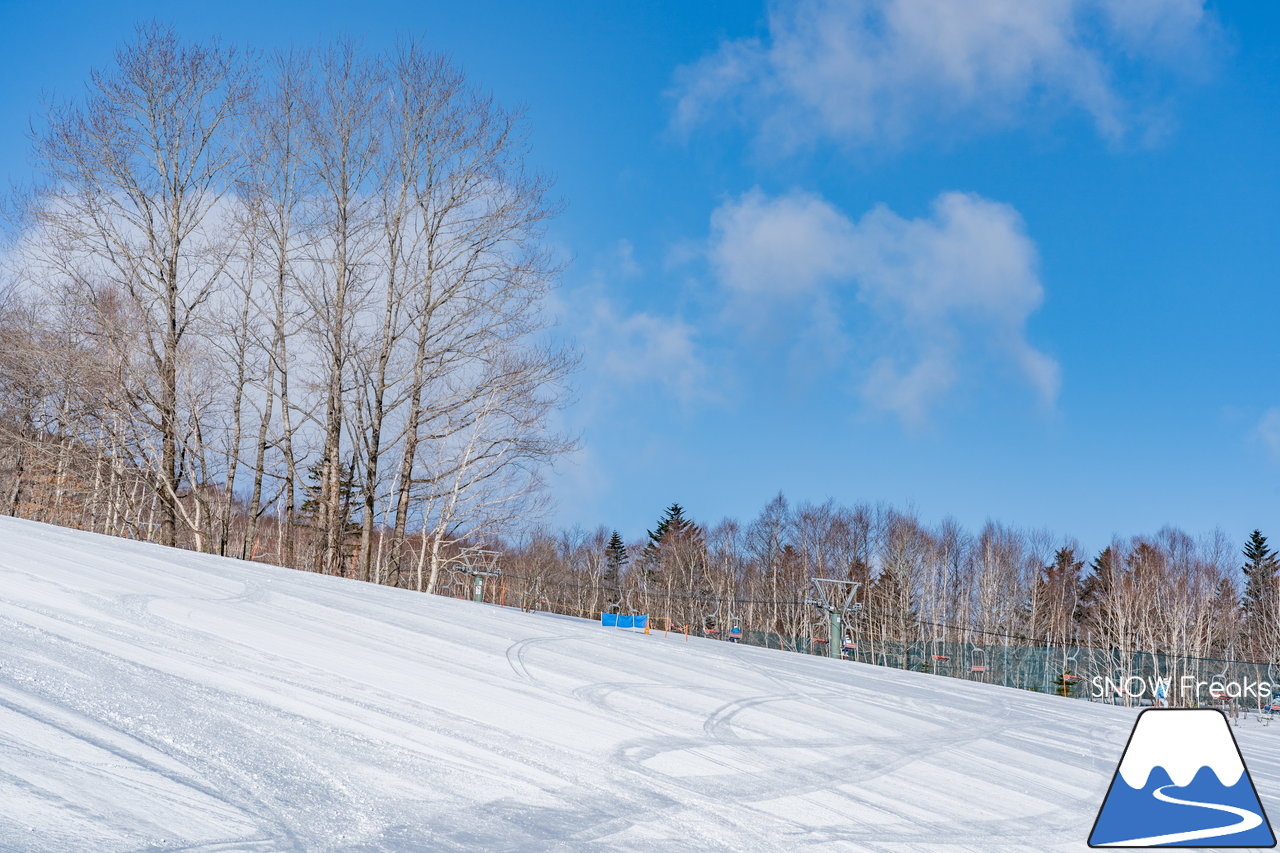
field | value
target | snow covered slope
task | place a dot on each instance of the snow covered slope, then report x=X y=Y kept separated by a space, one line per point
x=153 y=699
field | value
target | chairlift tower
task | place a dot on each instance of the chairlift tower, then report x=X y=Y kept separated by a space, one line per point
x=488 y=569
x=835 y=598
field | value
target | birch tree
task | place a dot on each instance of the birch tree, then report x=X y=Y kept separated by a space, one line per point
x=137 y=172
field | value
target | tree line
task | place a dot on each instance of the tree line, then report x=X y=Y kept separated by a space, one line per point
x=1167 y=593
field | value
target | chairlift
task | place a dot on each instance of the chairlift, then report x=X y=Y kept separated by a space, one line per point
x=832 y=598
x=813 y=630
x=709 y=622
x=936 y=654
x=1069 y=664
x=975 y=649
x=1221 y=679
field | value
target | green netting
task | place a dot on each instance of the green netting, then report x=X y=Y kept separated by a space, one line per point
x=1104 y=675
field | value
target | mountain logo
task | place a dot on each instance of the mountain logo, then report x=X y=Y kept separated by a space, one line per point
x=1181 y=782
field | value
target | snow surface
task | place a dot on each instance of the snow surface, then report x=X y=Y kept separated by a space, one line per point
x=1181 y=743
x=153 y=699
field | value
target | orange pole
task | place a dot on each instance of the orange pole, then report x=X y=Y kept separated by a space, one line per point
x=503 y=601
x=686 y=633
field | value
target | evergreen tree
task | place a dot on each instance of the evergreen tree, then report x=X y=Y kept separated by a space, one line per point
x=673 y=565
x=672 y=521
x=1055 y=595
x=616 y=557
x=1065 y=683
x=1226 y=608
x=1259 y=602
x=673 y=527
x=615 y=564
x=347 y=497
x=1260 y=569
x=1095 y=589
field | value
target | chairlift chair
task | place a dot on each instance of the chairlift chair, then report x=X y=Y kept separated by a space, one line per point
x=974 y=648
x=1069 y=664
x=936 y=654
x=709 y=622
x=1221 y=678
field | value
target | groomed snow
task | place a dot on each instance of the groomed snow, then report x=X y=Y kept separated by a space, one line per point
x=153 y=699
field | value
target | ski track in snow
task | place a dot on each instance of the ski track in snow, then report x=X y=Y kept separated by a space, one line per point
x=162 y=700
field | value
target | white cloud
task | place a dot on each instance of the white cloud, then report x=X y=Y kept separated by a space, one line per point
x=625 y=259
x=647 y=349
x=878 y=70
x=1160 y=28
x=625 y=349
x=1268 y=429
x=782 y=246
x=777 y=258
x=908 y=392
x=947 y=293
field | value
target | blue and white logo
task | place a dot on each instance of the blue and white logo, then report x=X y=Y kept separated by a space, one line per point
x=1181 y=783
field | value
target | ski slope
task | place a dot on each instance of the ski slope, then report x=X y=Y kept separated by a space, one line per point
x=153 y=699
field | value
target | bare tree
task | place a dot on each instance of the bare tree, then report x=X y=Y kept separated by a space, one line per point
x=137 y=176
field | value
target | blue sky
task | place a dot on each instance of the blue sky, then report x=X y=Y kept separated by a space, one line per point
x=989 y=260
